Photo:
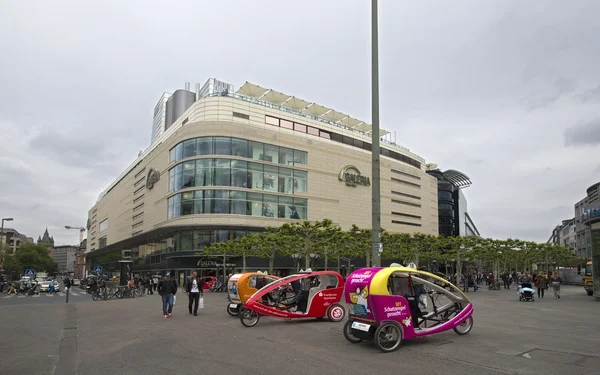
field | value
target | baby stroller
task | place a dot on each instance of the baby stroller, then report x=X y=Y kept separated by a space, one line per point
x=525 y=292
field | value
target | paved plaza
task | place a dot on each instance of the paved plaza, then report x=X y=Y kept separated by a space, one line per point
x=130 y=336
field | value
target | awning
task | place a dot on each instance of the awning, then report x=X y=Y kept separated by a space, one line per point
x=251 y=90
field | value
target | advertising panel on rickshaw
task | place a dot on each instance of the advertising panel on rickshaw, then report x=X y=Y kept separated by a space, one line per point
x=387 y=305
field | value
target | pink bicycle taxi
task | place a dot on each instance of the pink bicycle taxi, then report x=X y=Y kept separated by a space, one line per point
x=388 y=305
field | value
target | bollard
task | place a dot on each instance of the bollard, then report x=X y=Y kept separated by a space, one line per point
x=68 y=294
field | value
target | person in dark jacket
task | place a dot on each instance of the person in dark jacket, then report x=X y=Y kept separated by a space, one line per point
x=194 y=288
x=167 y=289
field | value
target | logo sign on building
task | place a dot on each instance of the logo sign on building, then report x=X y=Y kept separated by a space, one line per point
x=153 y=177
x=351 y=175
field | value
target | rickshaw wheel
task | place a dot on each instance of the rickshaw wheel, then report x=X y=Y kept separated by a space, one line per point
x=348 y=333
x=464 y=328
x=336 y=313
x=388 y=337
x=233 y=312
x=249 y=318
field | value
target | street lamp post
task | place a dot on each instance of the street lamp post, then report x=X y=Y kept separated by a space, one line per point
x=2 y=239
x=376 y=191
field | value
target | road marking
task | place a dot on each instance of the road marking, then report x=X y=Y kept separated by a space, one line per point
x=36 y=295
x=49 y=295
x=74 y=294
x=61 y=294
x=8 y=296
x=20 y=296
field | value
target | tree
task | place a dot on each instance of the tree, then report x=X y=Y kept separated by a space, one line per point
x=312 y=237
x=271 y=243
x=31 y=256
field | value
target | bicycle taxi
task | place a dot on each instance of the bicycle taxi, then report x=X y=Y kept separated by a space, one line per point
x=242 y=286
x=303 y=295
x=388 y=305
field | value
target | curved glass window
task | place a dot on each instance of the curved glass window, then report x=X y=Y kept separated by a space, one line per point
x=236 y=203
x=237 y=147
x=238 y=173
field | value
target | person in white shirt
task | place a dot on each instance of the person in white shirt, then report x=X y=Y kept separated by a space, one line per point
x=194 y=288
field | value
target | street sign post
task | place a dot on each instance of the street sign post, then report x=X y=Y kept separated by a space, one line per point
x=97 y=268
x=29 y=272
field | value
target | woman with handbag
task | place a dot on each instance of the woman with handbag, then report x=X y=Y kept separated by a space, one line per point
x=555 y=281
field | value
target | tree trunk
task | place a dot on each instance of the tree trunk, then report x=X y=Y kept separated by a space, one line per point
x=271 y=264
x=338 y=270
x=417 y=258
x=325 y=259
x=244 y=262
x=306 y=256
x=368 y=257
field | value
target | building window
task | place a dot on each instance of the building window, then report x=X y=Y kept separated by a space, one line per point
x=101 y=242
x=405 y=182
x=286 y=124
x=406 y=195
x=136 y=233
x=299 y=127
x=405 y=223
x=406 y=174
x=136 y=225
x=139 y=173
x=139 y=190
x=240 y=173
x=241 y=115
x=138 y=207
x=313 y=131
x=406 y=215
x=138 y=216
x=272 y=120
x=103 y=225
x=406 y=203
x=236 y=147
x=236 y=203
x=138 y=199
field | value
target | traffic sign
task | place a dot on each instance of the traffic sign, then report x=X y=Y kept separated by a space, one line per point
x=29 y=272
x=97 y=268
x=380 y=248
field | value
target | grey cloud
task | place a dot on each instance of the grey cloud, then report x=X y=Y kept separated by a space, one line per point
x=590 y=95
x=583 y=134
x=562 y=86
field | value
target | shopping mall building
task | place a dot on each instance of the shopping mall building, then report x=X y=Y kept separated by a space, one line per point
x=223 y=164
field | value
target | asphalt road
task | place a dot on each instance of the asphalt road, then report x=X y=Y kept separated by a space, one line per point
x=130 y=336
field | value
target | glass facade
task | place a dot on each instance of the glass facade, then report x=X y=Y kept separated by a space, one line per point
x=233 y=202
x=237 y=173
x=237 y=147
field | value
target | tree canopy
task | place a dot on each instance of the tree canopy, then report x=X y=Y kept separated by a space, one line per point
x=30 y=256
x=323 y=239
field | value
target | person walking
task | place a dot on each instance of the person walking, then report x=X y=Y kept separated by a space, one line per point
x=541 y=283
x=194 y=288
x=167 y=289
x=555 y=280
x=51 y=287
x=67 y=283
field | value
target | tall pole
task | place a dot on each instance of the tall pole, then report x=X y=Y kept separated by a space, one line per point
x=2 y=244
x=376 y=191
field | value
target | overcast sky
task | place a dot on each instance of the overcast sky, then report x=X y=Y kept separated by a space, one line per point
x=506 y=92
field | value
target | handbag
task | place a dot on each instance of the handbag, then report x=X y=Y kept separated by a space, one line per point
x=174 y=299
x=201 y=303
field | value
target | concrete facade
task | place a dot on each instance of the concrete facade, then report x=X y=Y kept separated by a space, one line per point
x=64 y=256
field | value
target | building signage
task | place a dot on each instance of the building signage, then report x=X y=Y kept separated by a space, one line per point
x=351 y=175
x=153 y=177
x=591 y=213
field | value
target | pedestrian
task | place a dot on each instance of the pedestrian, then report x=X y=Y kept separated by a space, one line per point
x=555 y=280
x=194 y=287
x=51 y=287
x=67 y=283
x=167 y=289
x=540 y=283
